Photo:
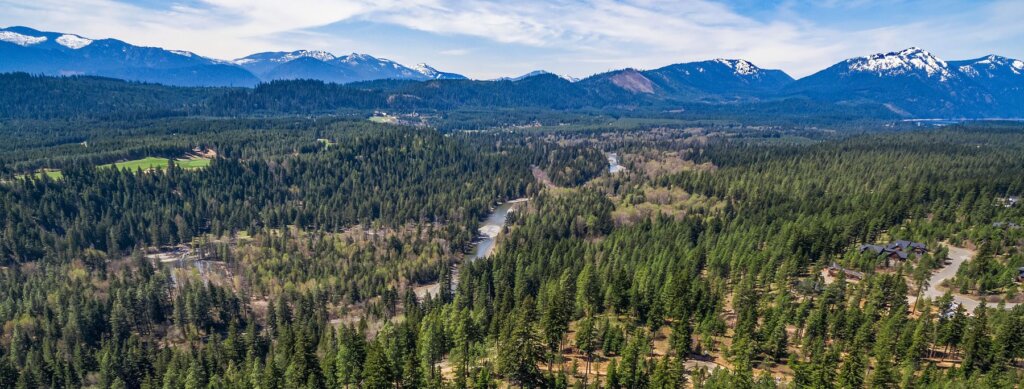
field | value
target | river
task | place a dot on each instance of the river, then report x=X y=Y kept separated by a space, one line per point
x=483 y=246
x=491 y=228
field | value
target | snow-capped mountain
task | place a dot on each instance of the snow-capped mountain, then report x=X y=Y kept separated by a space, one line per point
x=53 y=53
x=909 y=61
x=910 y=82
x=1002 y=77
x=366 y=67
x=718 y=79
x=990 y=66
x=538 y=73
x=727 y=78
x=914 y=82
x=435 y=74
x=321 y=65
x=24 y=49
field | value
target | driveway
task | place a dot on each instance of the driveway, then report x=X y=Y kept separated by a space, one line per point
x=958 y=255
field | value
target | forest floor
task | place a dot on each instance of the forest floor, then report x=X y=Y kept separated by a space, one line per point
x=542 y=177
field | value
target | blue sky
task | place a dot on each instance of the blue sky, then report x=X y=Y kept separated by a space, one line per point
x=486 y=39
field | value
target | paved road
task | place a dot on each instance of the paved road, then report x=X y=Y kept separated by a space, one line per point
x=958 y=255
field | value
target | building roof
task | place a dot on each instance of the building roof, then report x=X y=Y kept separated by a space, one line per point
x=905 y=244
x=874 y=248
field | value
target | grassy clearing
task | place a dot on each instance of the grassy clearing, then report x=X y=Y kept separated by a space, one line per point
x=151 y=163
x=193 y=163
x=384 y=119
x=326 y=142
x=146 y=164
x=54 y=174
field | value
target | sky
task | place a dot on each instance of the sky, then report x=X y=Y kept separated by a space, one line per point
x=489 y=39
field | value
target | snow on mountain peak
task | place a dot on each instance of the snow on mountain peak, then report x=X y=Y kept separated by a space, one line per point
x=315 y=54
x=739 y=66
x=355 y=57
x=74 y=42
x=902 y=62
x=968 y=70
x=183 y=53
x=540 y=72
x=20 y=39
x=989 y=64
x=425 y=70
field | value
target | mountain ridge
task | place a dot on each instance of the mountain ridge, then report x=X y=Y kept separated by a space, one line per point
x=57 y=53
x=911 y=82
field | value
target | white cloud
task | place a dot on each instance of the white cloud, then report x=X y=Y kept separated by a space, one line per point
x=592 y=34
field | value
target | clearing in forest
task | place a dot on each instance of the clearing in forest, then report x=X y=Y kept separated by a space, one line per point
x=150 y=163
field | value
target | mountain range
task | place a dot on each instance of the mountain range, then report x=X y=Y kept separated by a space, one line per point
x=53 y=53
x=908 y=83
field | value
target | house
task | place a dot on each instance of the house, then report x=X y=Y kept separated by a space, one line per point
x=871 y=247
x=896 y=251
x=896 y=255
x=1007 y=225
x=907 y=246
x=950 y=311
x=1009 y=201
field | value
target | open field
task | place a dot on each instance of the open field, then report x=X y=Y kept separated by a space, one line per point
x=53 y=174
x=384 y=119
x=149 y=163
x=145 y=164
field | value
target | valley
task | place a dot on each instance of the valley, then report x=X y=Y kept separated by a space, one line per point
x=301 y=219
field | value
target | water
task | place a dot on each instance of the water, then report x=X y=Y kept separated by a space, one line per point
x=491 y=228
x=483 y=246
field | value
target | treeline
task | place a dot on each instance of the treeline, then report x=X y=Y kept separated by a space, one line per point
x=575 y=165
x=57 y=144
x=40 y=97
x=391 y=175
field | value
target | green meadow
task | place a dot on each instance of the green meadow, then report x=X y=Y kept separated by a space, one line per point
x=149 y=163
x=145 y=164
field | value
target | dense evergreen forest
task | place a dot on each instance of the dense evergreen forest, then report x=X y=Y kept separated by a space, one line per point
x=457 y=104
x=332 y=251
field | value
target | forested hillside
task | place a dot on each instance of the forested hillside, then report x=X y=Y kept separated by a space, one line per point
x=324 y=252
x=39 y=97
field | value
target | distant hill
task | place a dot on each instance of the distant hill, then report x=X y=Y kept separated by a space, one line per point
x=915 y=83
x=910 y=83
x=324 y=66
x=23 y=49
x=43 y=97
x=27 y=50
x=714 y=80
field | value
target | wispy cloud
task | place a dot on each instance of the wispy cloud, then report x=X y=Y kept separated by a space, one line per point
x=592 y=34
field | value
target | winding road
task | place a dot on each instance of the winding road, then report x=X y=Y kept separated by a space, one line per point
x=958 y=255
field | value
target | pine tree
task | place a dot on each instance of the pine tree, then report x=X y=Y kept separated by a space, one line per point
x=851 y=373
x=586 y=341
x=613 y=375
x=377 y=371
x=977 y=344
x=521 y=350
x=681 y=340
x=668 y=374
